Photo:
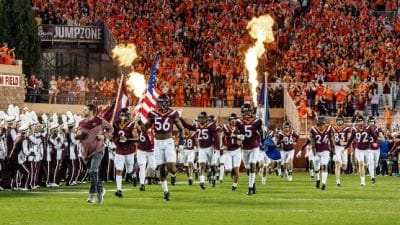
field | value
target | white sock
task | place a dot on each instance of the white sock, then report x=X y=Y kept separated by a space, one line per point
x=221 y=172
x=235 y=184
x=202 y=178
x=164 y=186
x=337 y=181
x=279 y=172
x=371 y=169
x=190 y=178
x=362 y=179
x=252 y=179
x=311 y=172
x=317 y=175
x=118 y=180
x=142 y=174
x=324 y=177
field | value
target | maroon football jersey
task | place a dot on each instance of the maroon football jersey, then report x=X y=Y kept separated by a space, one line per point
x=361 y=137
x=340 y=135
x=206 y=134
x=287 y=140
x=163 y=122
x=146 y=142
x=374 y=141
x=127 y=147
x=190 y=141
x=230 y=142
x=321 y=138
x=250 y=129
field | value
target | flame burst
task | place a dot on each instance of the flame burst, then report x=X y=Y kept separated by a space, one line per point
x=136 y=82
x=125 y=55
x=260 y=28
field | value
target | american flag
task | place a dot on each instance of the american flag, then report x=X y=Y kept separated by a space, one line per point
x=147 y=102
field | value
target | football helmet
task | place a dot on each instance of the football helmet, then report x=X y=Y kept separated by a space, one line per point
x=286 y=126
x=360 y=121
x=246 y=110
x=371 y=120
x=203 y=117
x=163 y=102
x=211 y=118
x=232 y=118
x=124 y=114
x=339 y=120
x=321 y=121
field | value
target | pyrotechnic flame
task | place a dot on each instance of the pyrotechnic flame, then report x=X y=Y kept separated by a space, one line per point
x=124 y=54
x=260 y=28
x=137 y=83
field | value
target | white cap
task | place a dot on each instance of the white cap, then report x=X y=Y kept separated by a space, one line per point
x=9 y=118
x=23 y=128
x=53 y=126
x=71 y=123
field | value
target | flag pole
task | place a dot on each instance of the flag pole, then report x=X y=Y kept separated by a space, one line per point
x=118 y=96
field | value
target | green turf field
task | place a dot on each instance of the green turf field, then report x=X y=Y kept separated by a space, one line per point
x=277 y=202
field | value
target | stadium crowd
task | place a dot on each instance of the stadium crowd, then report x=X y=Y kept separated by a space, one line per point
x=356 y=46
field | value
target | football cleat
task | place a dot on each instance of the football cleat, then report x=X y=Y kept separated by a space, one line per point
x=118 y=193
x=362 y=184
x=254 y=188
x=318 y=184
x=173 y=180
x=263 y=180
x=134 y=181
x=323 y=187
x=214 y=183
x=250 y=191
x=166 y=196
x=142 y=188
x=234 y=188
x=91 y=198
x=190 y=182
x=373 y=180
x=289 y=178
x=338 y=184
x=100 y=196
x=202 y=186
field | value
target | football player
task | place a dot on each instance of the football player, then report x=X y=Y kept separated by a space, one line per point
x=231 y=147
x=362 y=135
x=145 y=155
x=189 y=153
x=163 y=118
x=249 y=131
x=287 y=138
x=321 y=141
x=340 y=133
x=125 y=136
x=374 y=148
x=205 y=137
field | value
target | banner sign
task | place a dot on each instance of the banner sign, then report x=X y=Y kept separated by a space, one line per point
x=61 y=33
x=9 y=80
